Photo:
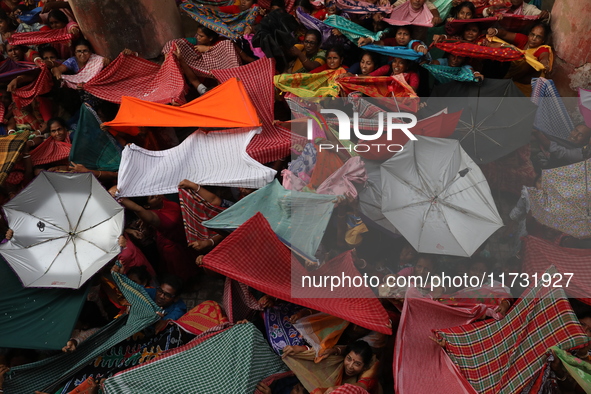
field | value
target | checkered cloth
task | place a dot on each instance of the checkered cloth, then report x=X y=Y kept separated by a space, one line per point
x=539 y=254
x=467 y=49
x=136 y=77
x=10 y=149
x=231 y=26
x=92 y=68
x=41 y=37
x=254 y=255
x=349 y=389
x=196 y=210
x=220 y=56
x=24 y=95
x=502 y=357
x=273 y=142
x=239 y=303
x=233 y=361
x=47 y=374
x=551 y=117
x=50 y=151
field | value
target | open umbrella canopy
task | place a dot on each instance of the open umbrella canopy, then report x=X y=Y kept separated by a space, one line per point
x=564 y=203
x=65 y=227
x=496 y=119
x=438 y=198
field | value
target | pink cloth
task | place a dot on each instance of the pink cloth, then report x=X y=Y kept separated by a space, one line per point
x=291 y=181
x=414 y=351
x=341 y=181
x=92 y=68
x=406 y=15
x=132 y=256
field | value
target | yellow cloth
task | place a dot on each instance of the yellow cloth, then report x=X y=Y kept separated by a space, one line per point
x=528 y=53
x=298 y=67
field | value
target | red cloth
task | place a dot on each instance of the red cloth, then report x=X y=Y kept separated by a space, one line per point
x=539 y=254
x=25 y=95
x=50 y=151
x=136 y=77
x=132 y=256
x=220 y=56
x=459 y=48
x=514 y=22
x=41 y=37
x=274 y=142
x=254 y=255
x=239 y=303
x=414 y=351
x=196 y=210
x=203 y=317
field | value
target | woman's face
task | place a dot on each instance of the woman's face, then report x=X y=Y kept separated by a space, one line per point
x=402 y=37
x=353 y=364
x=471 y=32
x=4 y=26
x=536 y=37
x=333 y=60
x=367 y=65
x=202 y=39
x=455 y=61
x=465 y=13
x=55 y=24
x=82 y=53
x=15 y=52
x=417 y=4
x=58 y=132
x=398 y=66
x=49 y=56
x=586 y=323
x=245 y=4
x=311 y=44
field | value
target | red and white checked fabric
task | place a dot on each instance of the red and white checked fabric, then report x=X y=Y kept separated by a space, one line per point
x=220 y=56
x=349 y=389
x=23 y=96
x=92 y=68
x=133 y=76
x=253 y=255
x=50 y=151
x=274 y=142
x=238 y=301
x=539 y=254
x=41 y=37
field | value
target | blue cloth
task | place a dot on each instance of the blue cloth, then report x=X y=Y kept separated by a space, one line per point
x=401 y=52
x=444 y=73
x=171 y=312
x=552 y=116
x=72 y=64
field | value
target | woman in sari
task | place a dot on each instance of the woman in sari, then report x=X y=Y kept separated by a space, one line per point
x=308 y=55
x=334 y=60
x=6 y=27
x=56 y=19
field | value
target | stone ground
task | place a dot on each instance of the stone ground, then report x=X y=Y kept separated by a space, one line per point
x=205 y=287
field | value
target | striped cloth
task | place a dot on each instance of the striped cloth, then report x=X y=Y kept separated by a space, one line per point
x=25 y=95
x=551 y=117
x=217 y=159
x=502 y=357
x=41 y=37
x=273 y=142
x=539 y=254
x=136 y=77
x=231 y=26
x=50 y=151
x=92 y=68
x=220 y=56
x=46 y=375
x=238 y=301
x=195 y=211
x=254 y=255
x=10 y=149
x=233 y=361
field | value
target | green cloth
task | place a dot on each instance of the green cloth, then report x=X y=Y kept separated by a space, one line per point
x=299 y=219
x=443 y=6
x=92 y=147
x=580 y=370
x=230 y=362
x=46 y=375
x=351 y=30
x=35 y=318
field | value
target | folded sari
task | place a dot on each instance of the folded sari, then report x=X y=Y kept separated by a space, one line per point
x=362 y=7
x=309 y=22
x=92 y=68
x=322 y=84
x=351 y=30
x=41 y=37
x=341 y=181
x=196 y=210
x=220 y=56
x=458 y=48
x=321 y=331
x=204 y=316
x=50 y=151
x=392 y=86
x=445 y=74
x=280 y=331
x=527 y=54
x=231 y=26
x=406 y=15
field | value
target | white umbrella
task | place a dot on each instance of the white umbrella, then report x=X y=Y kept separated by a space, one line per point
x=438 y=198
x=66 y=228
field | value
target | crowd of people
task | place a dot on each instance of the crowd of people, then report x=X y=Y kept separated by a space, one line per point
x=346 y=49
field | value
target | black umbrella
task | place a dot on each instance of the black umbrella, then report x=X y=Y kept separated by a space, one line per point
x=496 y=119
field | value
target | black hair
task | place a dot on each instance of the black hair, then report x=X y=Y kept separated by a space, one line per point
x=488 y=263
x=454 y=11
x=278 y=3
x=208 y=33
x=316 y=34
x=428 y=256
x=174 y=282
x=305 y=4
x=82 y=41
x=339 y=50
x=546 y=27
x=59 y=16
x=48 y=48
x=362 y=349
x=375 y=57
x=5 y=17
x=407 y=27
x=56 y=120
x=141 y=272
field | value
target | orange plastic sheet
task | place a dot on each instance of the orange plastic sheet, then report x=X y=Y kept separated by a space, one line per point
x=226 y=106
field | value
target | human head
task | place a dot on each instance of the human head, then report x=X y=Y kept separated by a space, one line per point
x=538 y=35
x=334 y=57
x=358 y=358
x=312 y=41
x=538 y=182
x=580 y=135
x=369 y=62
x=399 y=65
x=425 y=265
x=57 y=128
x=305 y=5
x=169 y=291
x=417 y=4
x=206 y=36
x=57 y=19
x=246 y=4
x=82 y=51
x=139 y=275
x=479 y=267
x=403 y=35
x=277 y=5
x=471 y=32
x=455 y=60
x=585 y=320
x=408 y=255
x=6 y=23
x=16 y=52
x=465 y=10
x=48 y=53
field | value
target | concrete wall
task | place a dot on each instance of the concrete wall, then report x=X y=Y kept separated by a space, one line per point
x=571 y=27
